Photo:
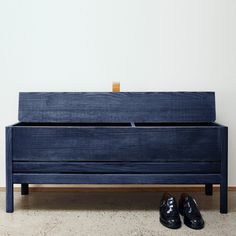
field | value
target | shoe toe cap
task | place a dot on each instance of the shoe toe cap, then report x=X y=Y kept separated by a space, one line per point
x=197 y=223
x=174 y=222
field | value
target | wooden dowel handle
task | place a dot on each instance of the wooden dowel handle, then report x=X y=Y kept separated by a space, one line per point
x=116 y=87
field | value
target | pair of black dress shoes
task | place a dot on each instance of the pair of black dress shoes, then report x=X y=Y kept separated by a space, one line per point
x=169 y=212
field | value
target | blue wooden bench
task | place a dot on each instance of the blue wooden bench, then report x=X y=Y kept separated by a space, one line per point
x=116 y=138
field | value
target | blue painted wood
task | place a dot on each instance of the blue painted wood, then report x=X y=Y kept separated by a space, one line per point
x=9 y=175
x=116 y=167
x=116 y=178
x=172 y=140
x=117 y=107
x=224 y=171
x=24 y=189
x=117 y=144
x=209 y=189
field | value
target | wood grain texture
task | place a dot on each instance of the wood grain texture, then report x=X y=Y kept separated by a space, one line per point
x=116 y=144
x=117 y=138
x=116 y=167
x=115 y=107
x=116 y=178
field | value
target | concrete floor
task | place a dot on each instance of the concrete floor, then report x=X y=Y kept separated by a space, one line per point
x=106 y=213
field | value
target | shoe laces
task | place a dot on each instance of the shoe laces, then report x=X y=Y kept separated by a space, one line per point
x=191 y=208
x=171 y=205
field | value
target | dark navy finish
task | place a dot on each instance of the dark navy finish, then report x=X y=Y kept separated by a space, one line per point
x=117 y=144
x=117 y=178
x=115 y=167
x=209 y=189
x=117 y=138
x=24 y=189
x=9 y=172
x=224 y=171
x=113 y=107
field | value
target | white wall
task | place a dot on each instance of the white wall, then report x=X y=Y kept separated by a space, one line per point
x=147 y=45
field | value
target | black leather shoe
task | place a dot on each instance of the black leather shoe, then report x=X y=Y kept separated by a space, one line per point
x=169 y=214
x=189 y=210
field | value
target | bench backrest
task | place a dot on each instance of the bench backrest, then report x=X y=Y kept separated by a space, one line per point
x=117 y=107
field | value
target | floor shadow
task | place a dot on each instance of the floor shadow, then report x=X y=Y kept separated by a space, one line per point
x=108 y=201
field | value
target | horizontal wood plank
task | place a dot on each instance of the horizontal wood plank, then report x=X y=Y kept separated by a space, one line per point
x=116 y=144
x=117 y=107
x=113 y=167
x=116 y=178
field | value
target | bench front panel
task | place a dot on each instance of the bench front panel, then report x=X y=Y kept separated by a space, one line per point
x=116 y=144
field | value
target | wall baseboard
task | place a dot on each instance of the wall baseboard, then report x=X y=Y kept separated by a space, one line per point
x=120 y=188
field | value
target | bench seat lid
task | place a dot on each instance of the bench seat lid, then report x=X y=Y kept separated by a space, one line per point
x=117 y=107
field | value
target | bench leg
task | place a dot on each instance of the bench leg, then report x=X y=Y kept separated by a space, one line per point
x=9 y=197
x=209 y=189
x=223 y=197
x=24 y=189
x=224 y=173
x=9 y=176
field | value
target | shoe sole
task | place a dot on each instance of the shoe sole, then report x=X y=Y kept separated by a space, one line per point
x=192 y=226
x=168 y=226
